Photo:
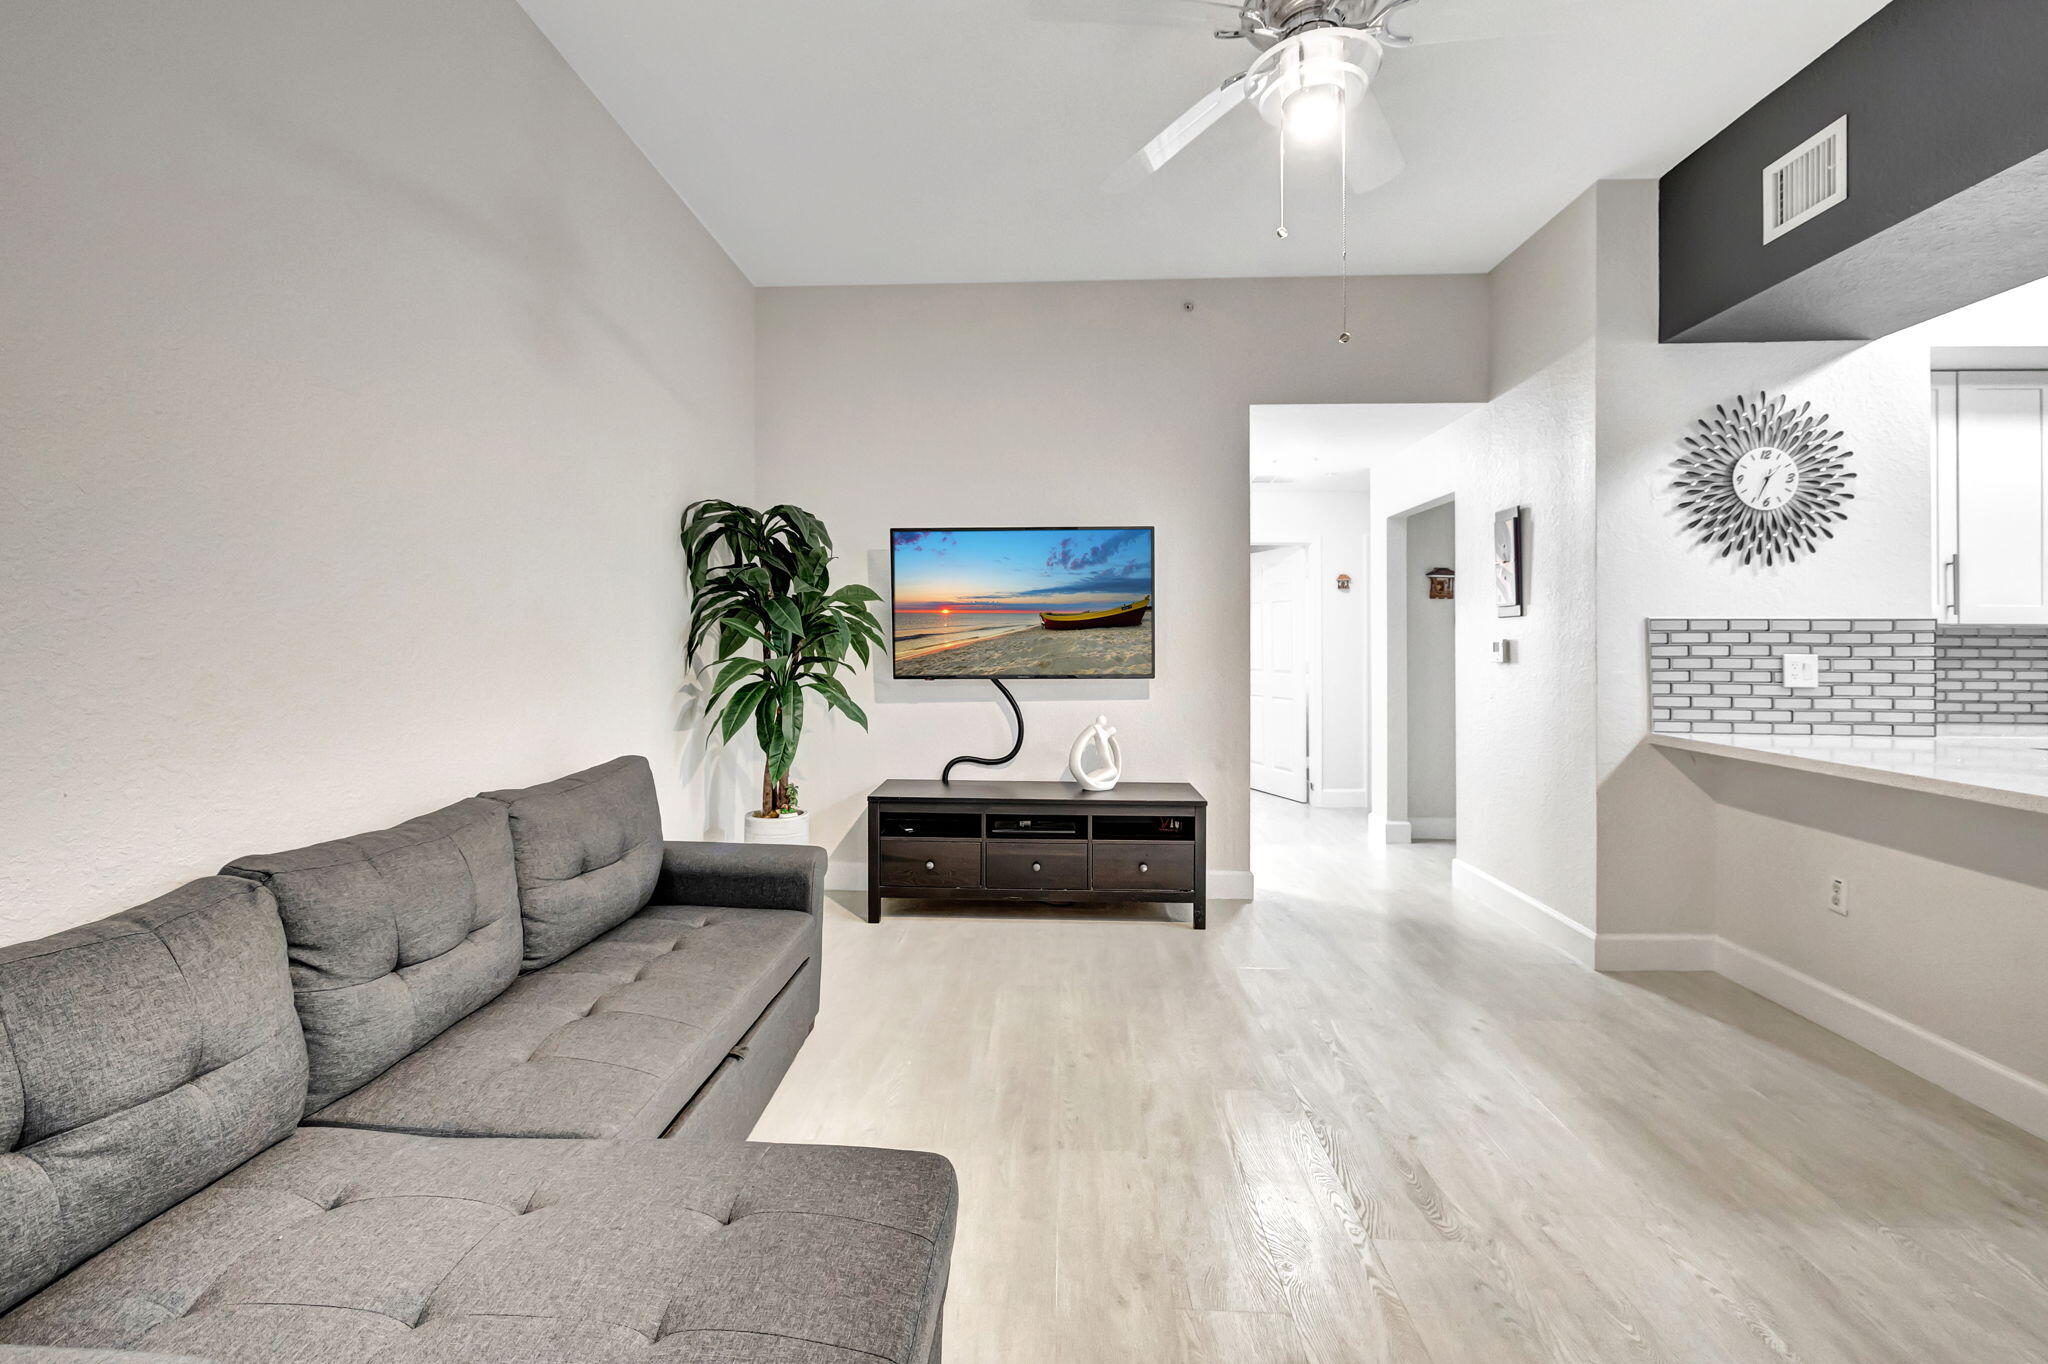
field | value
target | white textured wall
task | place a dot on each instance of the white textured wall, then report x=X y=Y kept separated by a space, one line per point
x=1093 y=404
x=1878 y=564
x=1337 y=525
x=354 y=371
x=1525 y=732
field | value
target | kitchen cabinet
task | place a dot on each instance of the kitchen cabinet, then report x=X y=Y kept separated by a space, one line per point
x=1991 y=462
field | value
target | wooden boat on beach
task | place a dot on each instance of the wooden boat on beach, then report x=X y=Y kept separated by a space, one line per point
x=1130 y=613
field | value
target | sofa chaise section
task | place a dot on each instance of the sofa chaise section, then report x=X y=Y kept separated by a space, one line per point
x=337 y=1247
x=155 y=1197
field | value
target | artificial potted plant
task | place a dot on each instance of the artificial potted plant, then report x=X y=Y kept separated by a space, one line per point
x=768 y=625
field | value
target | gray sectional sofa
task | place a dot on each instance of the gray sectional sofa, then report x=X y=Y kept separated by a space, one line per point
x=400 y=1098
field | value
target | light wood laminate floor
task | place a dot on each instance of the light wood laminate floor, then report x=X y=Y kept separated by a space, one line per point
x=1361 y=1120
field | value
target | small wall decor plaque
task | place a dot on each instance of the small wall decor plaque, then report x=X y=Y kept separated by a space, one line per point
x=1763 y=481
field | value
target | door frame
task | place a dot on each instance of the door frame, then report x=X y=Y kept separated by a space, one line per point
x=1390 y=821
x=1312 y=567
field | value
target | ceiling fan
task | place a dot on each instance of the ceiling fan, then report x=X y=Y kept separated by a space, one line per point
x=1316 y=64
x=1313 y=78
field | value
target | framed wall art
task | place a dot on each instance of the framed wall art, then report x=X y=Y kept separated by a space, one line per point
x=1507 y=562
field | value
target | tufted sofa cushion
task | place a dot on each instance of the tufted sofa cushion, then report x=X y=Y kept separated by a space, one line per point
x=395 y=936
x=588 y=849
x=338 y=1247
x=141 y=1058
x=611 y=1041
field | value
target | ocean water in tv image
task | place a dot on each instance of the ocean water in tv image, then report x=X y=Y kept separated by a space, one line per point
x=1023 y=603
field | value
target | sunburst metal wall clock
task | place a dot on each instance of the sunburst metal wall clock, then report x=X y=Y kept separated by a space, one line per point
x=1764 y=481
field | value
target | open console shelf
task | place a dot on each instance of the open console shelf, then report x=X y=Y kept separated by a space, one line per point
x=1037 y=841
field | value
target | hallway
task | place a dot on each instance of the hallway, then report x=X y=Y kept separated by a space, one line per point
x=1358 y=1120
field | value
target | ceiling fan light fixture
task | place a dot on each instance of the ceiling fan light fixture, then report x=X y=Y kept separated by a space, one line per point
x=1314 y=114
x=1314 y=77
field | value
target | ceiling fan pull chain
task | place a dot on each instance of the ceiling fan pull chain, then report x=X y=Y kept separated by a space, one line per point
x=1282 y=232
x=1344 y=208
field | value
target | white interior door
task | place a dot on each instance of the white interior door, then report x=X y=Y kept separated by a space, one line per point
x=1280 y=658
x=2002 y=498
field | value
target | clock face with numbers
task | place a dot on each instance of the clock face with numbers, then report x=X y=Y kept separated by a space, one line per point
x=1766 y=478
x=1764 y=483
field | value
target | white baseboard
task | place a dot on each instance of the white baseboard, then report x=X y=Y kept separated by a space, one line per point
x=1991 y=1085
x=1230 y=885
x=1655 y=951
x=1341 y=798
x=1566 y=934
x=1433 y=829
x=1380 y=829
x=1223 y=885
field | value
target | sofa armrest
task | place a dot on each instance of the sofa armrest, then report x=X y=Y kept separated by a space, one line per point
x=742 y=876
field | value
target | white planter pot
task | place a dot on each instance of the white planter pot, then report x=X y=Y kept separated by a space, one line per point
x=788 y=829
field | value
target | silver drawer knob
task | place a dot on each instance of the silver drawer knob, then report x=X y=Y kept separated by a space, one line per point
x=1144 y=867
x=1035 y=866
x=931 y=866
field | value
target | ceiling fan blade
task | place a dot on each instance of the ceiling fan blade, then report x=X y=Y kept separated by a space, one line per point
x=1213 y=14
x=1178 y=136
x=1372 y=153
x=1430 y=23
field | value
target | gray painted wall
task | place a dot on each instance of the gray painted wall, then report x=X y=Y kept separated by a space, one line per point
x=1082 y=404
x=356 y=366
x=1433 y=672
x=1940 y=95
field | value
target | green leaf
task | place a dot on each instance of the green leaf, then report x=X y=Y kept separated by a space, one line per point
x=741 y=708
x=732 y=672
x=735 y=635
x=836 y=696
x=785 y=615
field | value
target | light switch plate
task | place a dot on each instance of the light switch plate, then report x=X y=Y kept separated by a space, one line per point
x=1802 y=670
x=1503 y=651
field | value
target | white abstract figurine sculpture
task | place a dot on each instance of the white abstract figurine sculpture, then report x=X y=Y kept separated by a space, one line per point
x=1105 y=777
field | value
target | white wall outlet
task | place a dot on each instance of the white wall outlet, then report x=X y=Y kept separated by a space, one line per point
x=1503 y=651
x=1802 y=670
x=1838 y=897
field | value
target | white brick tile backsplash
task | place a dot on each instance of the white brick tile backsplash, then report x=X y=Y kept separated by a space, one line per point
x=1991 y=675
x=1718 y=676
x=1898 y=677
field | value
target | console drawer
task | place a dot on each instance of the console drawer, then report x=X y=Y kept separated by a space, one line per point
x=931 y=864
x=1037 y=866
x=1144 y=866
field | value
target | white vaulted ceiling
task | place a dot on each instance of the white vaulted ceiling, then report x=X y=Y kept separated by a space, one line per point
x=946 y=141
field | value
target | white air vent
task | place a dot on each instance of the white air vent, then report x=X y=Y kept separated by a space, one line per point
x=1808 y=182
x=1271 y=478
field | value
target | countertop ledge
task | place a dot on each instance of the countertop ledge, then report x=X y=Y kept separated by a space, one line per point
x=1996 y=767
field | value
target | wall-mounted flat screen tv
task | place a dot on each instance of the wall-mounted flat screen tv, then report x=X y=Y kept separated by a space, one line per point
x=1022 y=603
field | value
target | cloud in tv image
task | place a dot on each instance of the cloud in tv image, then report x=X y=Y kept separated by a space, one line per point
x=1023 y=603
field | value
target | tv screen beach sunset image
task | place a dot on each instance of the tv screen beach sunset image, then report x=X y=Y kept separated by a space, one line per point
x=1023 y=603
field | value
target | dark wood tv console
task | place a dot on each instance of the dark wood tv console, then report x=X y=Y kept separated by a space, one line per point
x=1038 y=841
